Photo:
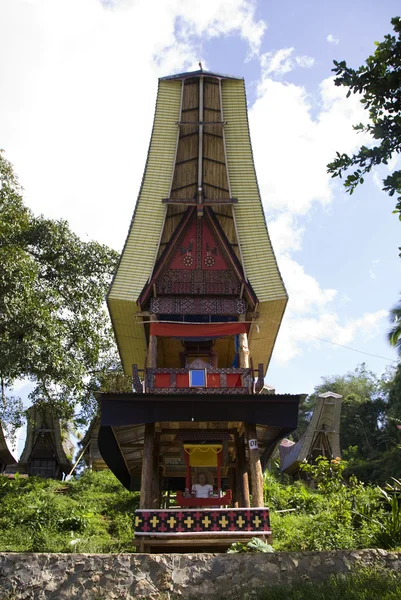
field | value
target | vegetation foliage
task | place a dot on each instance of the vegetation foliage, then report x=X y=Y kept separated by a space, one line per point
x=54 y=330
x=378 y=81
x=95 y=513
x=362 y=584
x=92 y=514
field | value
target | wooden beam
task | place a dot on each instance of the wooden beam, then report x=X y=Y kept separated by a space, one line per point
x=206 y=202
x=151 y=361
x=255 y=466
x=156 y=473
x=241 y=472
x=243 y=347
x=147 y=488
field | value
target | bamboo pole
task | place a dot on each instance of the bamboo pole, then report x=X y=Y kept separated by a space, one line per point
x=243 y=347
x=255 y=466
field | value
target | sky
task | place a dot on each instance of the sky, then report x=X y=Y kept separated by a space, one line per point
x=78 y=87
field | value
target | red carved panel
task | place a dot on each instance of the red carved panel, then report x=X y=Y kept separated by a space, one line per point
x=185 y=257
x=200 y=265
x=211 y=254
x=213 y=380
x=162 y=380
x=234 y=380
x=182 y=380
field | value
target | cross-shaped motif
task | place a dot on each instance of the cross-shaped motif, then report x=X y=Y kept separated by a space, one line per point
x=206 y=521
x=257 y=522
x=223 y=521
x=138 y=520
x=154 y=521
x=171 y=522
x=240 y=521
x=188 y=522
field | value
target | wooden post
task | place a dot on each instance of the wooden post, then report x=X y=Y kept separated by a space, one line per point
x=156 y=473
x=146 y=500
x=255 y=466
x=241 y=472
x=151 y=360
x=232 y=485
x=243 y=347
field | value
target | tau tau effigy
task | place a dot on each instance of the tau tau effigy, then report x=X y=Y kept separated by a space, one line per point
x=196 y=305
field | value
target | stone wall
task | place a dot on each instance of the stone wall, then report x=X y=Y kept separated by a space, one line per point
x=170 y=576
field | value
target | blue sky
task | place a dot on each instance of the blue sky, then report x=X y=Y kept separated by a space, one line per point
x=79 y=80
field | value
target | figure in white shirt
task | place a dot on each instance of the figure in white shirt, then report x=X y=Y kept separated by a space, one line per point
x=202 y=489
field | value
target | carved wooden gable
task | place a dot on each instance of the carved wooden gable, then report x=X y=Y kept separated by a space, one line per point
x=198 y=263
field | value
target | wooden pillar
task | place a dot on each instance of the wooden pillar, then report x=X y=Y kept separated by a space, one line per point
x=151 y=361
x=243 y=347
x=146 y=500
x=156 y=473
x=241 y=472
x=255 y=467
x=232 y=485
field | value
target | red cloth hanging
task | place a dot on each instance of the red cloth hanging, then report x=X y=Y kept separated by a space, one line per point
x=207 y=330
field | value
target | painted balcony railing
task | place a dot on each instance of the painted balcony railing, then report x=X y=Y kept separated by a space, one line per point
x=198 y=379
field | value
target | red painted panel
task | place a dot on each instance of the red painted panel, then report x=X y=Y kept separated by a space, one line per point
x=182 y=380
x=213 y=380
x=234 y=380
x=209 y=330
x=211 y=255
x=185 y=257
x=162 y=380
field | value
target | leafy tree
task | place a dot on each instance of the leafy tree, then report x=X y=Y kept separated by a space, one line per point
x=379 y=83
x=53 y=327
x=394 y=335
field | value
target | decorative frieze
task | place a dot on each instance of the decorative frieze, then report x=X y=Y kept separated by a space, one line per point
x=195 y=521
x=192 y=305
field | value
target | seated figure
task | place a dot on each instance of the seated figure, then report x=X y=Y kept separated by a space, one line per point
x=202 y=489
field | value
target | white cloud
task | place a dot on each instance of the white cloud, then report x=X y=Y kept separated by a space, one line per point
x=281 y=62
x=332 y=39
x=372 y=274
x=292 y=167
x=78 y=93
x=305 y=61
x=294 y=136
x=277 y=63
x=298 y=335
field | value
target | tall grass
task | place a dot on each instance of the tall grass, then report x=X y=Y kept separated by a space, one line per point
x=360 y=585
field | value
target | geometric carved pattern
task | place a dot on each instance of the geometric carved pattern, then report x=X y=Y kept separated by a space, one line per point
x=192 y=305
x=197 y=522
x=198 y=281
x=234 y=391
x=136 y=382
x=261 y=377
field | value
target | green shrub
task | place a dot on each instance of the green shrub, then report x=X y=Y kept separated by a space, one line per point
x=92 y=514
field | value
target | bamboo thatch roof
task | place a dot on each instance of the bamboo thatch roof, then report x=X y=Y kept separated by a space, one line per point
x=44 y=441
x=321 y=438
x=6 y=458
x=170 y=173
